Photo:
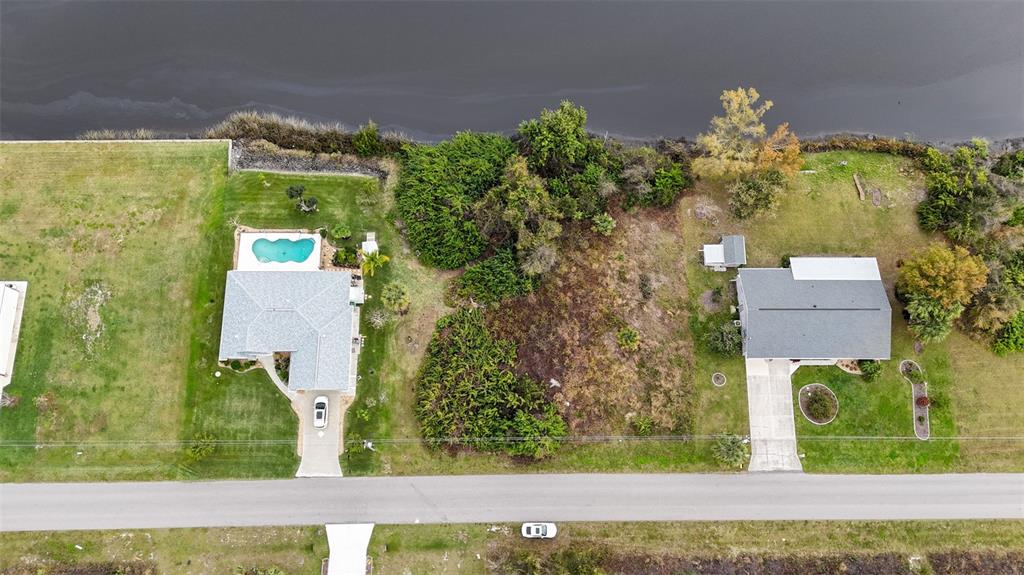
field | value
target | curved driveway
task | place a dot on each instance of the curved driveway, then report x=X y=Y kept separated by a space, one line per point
x=456 y=499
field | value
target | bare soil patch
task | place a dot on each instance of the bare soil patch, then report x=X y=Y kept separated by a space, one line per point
x=565 y=330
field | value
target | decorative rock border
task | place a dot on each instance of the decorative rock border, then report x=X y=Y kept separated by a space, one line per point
x=718 y=379
x=800 y=403
x=922 y=423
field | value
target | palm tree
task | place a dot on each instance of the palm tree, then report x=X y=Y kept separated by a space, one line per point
x=373 y=261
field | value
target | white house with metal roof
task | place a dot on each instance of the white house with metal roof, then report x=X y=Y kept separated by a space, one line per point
x=818 y=311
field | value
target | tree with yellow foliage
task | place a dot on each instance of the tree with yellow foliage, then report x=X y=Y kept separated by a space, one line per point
x=736 y=144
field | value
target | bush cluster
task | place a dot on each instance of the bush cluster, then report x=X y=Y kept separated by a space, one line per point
x=756 y=194
x=468 y=394
x=820 y=405
x=960 y=195
x=494 y=279
x=1010 y=337
x=883 y=145
x=725 y=339
x=1010 y=165
x=649 y=179
x=730 y=450
x=870 y=369
x=437 y=192
x=296 y=134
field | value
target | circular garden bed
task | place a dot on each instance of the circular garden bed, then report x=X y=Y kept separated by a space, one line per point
x=718 y=379
x=818 y=403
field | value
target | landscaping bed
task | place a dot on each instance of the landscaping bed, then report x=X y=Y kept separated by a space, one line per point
x=920 y=401
x=818 y=403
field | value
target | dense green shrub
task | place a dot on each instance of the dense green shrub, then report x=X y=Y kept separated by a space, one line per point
x=366 y=142
x=295 y=192
x=870 y=369
x=730 y=450
x=1013 y=270
x=492 y=280
x=345 y=258
x=1011 y=165
x=603 y=224
x=1017 y=217
x=755 y=194
x=820 y=405
x=668 y=182
x=929 y=320
x=725 y=339
x=628 y=339
x=959 y=193
x=468 y=394
x=521 y=211
x=201 y=447
x=557 y=142
x=395 y=297
x=437 y=190
x=307 y=205
x=340 y=232
x=1011 y=337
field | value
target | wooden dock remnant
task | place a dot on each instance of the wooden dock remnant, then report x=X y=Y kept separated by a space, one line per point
x=860 y=188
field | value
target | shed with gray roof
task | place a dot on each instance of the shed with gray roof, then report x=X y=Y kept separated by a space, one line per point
x=731 y=252
x=308 y=314
x=819 y=309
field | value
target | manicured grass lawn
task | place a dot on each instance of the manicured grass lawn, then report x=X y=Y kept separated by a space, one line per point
x=465 y=548
x=110 y=238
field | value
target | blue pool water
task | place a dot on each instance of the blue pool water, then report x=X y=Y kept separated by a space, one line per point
x=282 y=251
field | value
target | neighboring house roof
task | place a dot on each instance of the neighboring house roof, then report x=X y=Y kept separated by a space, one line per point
x=730 y=252
x=307 y=313
x=804 y=313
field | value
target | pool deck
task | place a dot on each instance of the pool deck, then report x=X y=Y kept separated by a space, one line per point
x=245 y=259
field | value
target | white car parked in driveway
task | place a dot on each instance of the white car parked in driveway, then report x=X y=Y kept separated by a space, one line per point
x=539 y=530
x=320 y=412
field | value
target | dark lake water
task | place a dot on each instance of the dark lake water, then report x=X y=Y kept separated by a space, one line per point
x=935 y=70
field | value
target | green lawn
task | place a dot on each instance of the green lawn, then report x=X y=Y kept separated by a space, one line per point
x=110 y=238
x=466 y=548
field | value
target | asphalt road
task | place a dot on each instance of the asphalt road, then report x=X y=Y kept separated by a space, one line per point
x=456 y=499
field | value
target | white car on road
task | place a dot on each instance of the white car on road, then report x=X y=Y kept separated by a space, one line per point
x=320 y=412
x=539 y=530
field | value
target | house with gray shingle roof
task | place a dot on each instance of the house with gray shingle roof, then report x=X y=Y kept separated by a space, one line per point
x=308 y=314
x=817 y=310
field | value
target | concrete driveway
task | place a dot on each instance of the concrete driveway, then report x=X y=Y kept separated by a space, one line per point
x=320 y=448
x=772 y=428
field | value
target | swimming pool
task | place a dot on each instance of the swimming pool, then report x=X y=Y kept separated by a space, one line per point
x=282 y=250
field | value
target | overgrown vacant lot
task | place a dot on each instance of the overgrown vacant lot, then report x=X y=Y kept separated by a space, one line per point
x=949 y=547
x=110 y=238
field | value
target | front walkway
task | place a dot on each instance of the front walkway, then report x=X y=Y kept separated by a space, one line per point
x=772 y=428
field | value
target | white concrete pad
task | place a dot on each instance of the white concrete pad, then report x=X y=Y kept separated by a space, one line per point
x=348 y=544
x=770 y=404
x=12 y=307
x=320 y=447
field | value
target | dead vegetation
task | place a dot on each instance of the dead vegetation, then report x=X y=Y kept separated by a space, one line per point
x=566 y=330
